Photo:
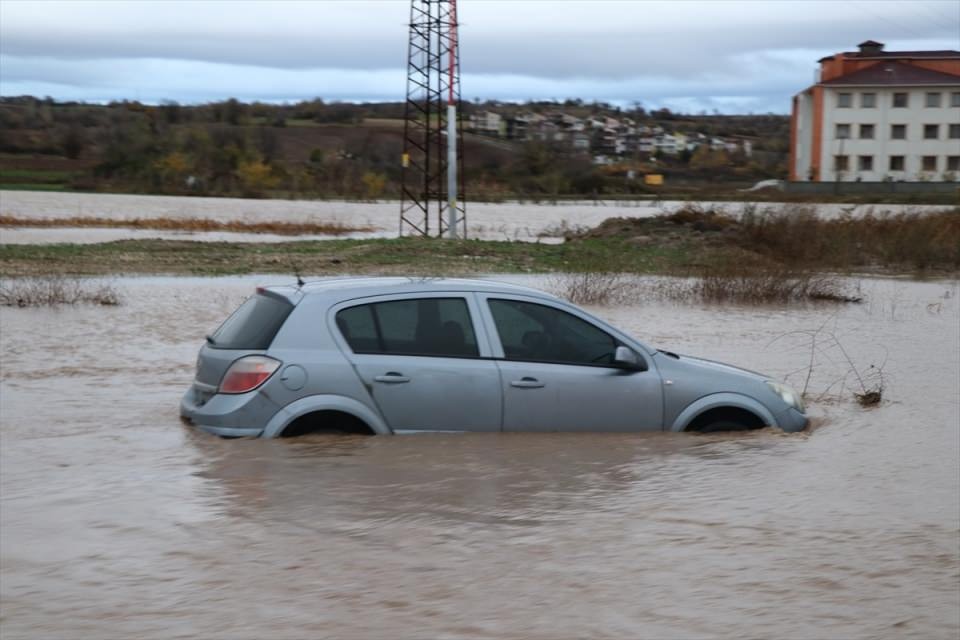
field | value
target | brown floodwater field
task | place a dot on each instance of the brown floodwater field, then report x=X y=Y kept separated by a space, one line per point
x=120 y=522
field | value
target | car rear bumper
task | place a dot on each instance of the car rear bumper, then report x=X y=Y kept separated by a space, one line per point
x=225 y=432
x=227 y=415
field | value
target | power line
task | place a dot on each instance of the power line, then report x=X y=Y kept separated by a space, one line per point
x=900 y=25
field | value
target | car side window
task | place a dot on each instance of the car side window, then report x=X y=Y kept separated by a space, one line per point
x=536 y=332
x=423 y=327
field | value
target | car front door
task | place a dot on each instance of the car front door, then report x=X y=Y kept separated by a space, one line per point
x=424 y=361
x=557 y=371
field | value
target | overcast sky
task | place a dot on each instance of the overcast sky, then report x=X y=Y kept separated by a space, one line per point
x=688 y=55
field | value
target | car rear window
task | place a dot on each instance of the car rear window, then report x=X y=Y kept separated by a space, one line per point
x=253 y=325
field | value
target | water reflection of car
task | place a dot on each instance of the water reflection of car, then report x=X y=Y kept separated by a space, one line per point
x=396 y=355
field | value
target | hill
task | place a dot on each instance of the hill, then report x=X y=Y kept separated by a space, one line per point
x=316 y=149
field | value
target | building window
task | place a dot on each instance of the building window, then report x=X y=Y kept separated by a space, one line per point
x=898 y=132
x=933 y=99
x=844 y=99
x=868 y=100
x=953 y=163
x=955 y=99
x=931 y=131
x=843 y=131
x=900 y=100
x=954 y=131
x=896 y=163
x=865 y=163
x=841 y=163
x=866 y=132
x=929 y=163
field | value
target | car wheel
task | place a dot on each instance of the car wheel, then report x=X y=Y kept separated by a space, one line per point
x=723 y=425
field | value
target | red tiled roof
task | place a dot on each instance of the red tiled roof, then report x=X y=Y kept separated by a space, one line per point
x=889 y=73
x=945 y=54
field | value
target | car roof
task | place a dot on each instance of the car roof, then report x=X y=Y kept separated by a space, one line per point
x=357 y=287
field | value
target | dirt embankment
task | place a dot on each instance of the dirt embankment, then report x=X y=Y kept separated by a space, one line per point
x=680 y=228
x=797 y=237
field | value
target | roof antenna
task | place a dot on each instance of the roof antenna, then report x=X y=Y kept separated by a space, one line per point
x=296 y=272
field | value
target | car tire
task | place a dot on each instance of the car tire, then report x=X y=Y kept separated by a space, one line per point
x=723 y=425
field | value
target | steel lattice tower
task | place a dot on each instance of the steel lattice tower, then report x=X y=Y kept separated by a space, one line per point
x=431 y=203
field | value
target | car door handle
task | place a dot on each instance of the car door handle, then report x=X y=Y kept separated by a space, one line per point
x=392 y=377
x=527 y=383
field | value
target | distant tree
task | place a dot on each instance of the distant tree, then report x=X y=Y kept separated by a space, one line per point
x=73 y=142
x=267 y=143
x=256 y=177
x=709 y=160
x=230 y=112
x=171 y=111
x=662 y=114
x=317 y=156
x=173 y=164
x=373 y=184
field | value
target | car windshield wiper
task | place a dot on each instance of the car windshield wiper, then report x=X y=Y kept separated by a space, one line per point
x=669 y=353
x=210 y=340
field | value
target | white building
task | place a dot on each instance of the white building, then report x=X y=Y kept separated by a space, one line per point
x=488 y=122
x=879 y=115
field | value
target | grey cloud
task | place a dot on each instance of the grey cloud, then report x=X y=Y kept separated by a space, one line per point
x=705 y=53
x=607 y=44
x=156 y=79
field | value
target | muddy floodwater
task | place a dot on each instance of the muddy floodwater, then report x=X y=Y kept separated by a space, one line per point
x=120 y=522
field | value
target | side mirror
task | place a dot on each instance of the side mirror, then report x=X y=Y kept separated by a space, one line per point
x=628 y=359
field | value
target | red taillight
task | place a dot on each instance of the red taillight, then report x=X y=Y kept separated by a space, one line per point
x=246 y=374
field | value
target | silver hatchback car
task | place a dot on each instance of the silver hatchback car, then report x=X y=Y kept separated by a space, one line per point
x=399 y=355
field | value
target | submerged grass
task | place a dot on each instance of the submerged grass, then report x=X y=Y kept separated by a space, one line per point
x=735 y=286
x=771 y=285
x=56 y=290
x=189 y=224
x=593 y=288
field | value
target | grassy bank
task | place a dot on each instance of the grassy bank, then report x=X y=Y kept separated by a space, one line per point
x=405 y=255
x=690 y=242
x=35 y=179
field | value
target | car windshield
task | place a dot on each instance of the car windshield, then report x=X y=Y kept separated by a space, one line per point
x=253 y=325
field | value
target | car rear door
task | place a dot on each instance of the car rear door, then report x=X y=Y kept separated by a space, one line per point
x=557 y=372
x=424 y=360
